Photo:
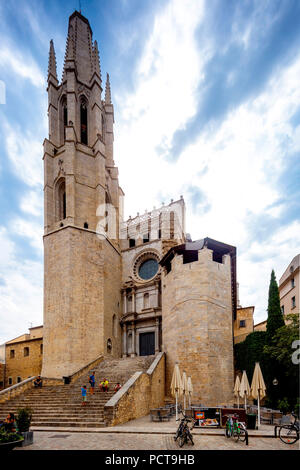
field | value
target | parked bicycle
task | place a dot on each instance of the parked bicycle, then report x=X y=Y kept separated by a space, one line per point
x=289 y=433
x=236 y=429
x=183 y=433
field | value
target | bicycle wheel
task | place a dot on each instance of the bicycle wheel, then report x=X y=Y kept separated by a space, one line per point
x=235 y=435
x=228 y=431
x=182 y=439
x=242 y=435
x=288 y=434
x=190 y=438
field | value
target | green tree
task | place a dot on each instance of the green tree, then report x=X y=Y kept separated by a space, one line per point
x=281 y=351
x=275 y=317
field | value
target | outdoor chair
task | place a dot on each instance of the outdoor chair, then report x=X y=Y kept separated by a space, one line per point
x=154 y=415
x=285 y=420
x=164 y=414
x=265 y=417
x=276 y=418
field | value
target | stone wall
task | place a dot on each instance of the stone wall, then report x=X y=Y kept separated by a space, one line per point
x=142 y=392
x=197 y=326
x=78 y=268
x=2 y=367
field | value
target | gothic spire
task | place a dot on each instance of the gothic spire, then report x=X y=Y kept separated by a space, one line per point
x=107 y=91
x=96 y=60
x=79 y=48
x=52 y=62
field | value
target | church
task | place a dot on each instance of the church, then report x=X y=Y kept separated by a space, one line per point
x=123 y=288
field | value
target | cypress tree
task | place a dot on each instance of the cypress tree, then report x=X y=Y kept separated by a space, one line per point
x=275 y=320
x=275 y=317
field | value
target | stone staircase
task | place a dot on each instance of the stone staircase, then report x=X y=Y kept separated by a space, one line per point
x=60 y=406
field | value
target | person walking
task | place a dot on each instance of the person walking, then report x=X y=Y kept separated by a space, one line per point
x=92 y=383
x=83 y=395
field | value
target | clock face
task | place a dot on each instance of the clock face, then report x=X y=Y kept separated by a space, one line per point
x=148 y=269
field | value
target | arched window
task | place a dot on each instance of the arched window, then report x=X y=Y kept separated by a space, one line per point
x=83 y=121
x=63 y=117
x=61 y=200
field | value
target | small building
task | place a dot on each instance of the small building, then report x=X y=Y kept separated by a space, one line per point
x=243 y=324
x=262 y=326
x=23 y=356
x=289 y=287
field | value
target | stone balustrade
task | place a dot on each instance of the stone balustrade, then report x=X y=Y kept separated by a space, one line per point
x=143 y=391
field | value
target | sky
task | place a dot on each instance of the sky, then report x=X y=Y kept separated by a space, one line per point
x=206 y=98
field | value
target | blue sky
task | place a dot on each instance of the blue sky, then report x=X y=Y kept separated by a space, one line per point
x=207 y=105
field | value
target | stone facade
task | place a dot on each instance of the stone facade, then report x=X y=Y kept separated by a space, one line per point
x=2 y=374
x=289 y=288
x=23 y=356
x=145 y=239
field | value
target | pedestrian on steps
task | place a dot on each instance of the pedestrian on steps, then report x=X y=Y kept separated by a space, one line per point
x=83 y=395
x=92 y=383
x=104 y=385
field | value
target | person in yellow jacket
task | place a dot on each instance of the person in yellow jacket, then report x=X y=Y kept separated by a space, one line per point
x=104 y=385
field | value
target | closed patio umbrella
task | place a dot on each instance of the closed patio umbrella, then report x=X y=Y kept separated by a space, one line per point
x=245 y=388
x=176 y=386
x=184 y=388
x=258 y=388
x=189 y=389
x=236 y=390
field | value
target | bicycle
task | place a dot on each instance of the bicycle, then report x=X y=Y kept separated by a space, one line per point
x=183 y=432
x=236 y=429
x=289 y=433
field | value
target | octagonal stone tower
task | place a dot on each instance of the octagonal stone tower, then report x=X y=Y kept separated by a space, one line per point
x=198 y=308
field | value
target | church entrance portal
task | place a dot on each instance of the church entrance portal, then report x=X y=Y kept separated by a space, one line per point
x=147 y=344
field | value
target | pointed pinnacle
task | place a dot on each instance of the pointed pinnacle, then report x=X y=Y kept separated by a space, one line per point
x=107 y=91
x=52 y=61
x=96 y=60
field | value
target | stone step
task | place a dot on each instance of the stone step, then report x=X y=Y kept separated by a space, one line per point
x=60 y=406
x=68 y=419
x=98 y=424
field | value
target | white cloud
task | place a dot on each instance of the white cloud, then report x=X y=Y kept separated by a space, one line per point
x=243 y=157
x=28 y=229
x=21 y=293
x=23 y=66
x=25 y=153
x=163 y=99
x=32 y=203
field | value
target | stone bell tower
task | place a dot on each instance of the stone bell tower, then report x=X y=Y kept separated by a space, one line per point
x=82 y=210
